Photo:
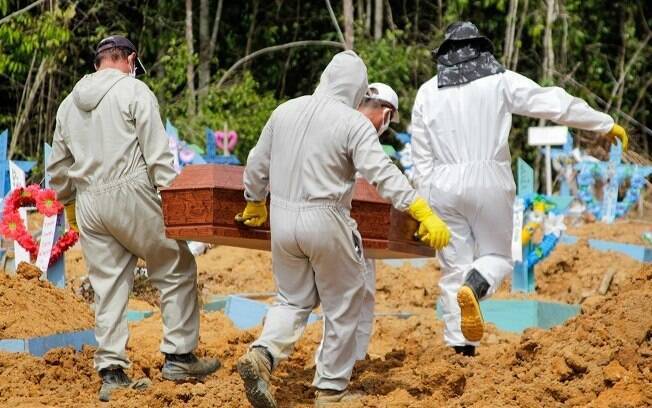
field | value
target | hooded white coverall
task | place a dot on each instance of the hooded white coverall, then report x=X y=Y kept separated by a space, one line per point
x=307 y=156
x=462 y=164
x=110 y=153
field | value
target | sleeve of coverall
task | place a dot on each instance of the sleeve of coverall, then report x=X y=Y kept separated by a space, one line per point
x=256 y=174
x=371 y=161
x=152 y=139
x=422 y=154
x=526 y=97
x=60 y=161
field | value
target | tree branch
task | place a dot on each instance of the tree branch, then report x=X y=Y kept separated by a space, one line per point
x=21 y=11
x=274 y=48
x=335 y=23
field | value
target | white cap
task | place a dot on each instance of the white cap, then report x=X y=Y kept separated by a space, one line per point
x=384 y=93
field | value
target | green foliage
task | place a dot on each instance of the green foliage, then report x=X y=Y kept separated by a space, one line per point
x=394 y=61
x=242 y=107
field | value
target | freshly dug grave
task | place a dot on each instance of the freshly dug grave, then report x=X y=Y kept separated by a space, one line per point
x=574 y=272
x=624 y=231
x=31 y=308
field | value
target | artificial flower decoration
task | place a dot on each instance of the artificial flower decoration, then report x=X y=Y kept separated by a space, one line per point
x=13 y=226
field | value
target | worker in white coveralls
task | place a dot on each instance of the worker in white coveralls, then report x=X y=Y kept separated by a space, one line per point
x=380 y=106
x=110 y=154
x=460 y=127
x=307 y=156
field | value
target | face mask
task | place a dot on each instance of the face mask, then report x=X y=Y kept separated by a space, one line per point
x=386 y=120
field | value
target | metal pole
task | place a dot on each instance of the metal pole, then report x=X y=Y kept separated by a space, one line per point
x=548 y=171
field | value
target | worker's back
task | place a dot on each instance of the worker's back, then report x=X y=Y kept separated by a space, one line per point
x=106 y=123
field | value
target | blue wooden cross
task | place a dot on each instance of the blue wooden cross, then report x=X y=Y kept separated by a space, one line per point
x=523 y=274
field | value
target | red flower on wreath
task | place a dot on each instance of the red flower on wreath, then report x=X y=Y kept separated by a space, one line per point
x=47 y=204
x=13 y=226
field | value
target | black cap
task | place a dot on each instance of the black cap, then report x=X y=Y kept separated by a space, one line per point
x=118 y=41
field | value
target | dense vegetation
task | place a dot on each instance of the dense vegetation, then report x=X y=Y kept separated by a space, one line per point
x=599 y=50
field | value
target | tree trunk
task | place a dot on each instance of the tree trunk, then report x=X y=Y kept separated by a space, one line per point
x=252 y=29
x=190 y=68
x=378 y=19
x=548 y=68
x=204 y=67
x=359 y=5
x=510 y=32
x=348 y=23
x=367 y=18
x=517 y=44
x=216 y=28
x=390 y=16
x=26 y=107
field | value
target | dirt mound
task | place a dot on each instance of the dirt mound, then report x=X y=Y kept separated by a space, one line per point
x=31 y=308
x=574 y=272
x=227 y=270
x=625 y=231
x=406 y=288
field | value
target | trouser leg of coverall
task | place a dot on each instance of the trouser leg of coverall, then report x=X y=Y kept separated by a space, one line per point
x=366 y=322
x=111 y=273
x=130 y=213
x=492 y=229
x=455 y=261
x=296 y=292
x=340 y=277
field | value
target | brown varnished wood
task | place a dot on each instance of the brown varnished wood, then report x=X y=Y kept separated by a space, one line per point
x=203 y=200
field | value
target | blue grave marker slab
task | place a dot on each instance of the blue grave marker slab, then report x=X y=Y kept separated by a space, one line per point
x=516 y=315
x=523 y=274
x=4 y=163
x=38 y=346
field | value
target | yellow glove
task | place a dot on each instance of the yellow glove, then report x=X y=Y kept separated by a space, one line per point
x=432 y=230
x=71 y=216
x=619 y=132
x=254 y=214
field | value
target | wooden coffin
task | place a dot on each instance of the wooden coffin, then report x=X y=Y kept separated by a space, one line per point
x=203 y=200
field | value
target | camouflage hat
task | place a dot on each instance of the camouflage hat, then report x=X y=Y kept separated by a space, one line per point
x=463 y=32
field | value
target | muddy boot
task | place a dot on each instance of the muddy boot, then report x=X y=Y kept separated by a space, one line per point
x=324 y=398
x=475 y=288
x=255 y=369
x=468 y=350
x=114 y=378
x=187 y=367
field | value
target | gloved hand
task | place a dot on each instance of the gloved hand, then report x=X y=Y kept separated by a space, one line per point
x=432 y=230
x=71 y=216
x=254 y=214
x=619 y=132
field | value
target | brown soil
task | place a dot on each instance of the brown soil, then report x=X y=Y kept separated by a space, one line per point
x=625 y=231
x=573 y=272
x=602 y=358
x=31 y=308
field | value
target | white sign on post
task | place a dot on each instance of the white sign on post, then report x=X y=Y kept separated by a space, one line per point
x=47 y=241
x=17 y=177
x=547 y=136
x=517 y=238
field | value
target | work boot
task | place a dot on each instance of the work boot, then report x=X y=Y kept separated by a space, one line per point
x=475 y=288
x=187 y=367
x=255 y=369
x=468 y=350
x=114 y=378
x=324 y=398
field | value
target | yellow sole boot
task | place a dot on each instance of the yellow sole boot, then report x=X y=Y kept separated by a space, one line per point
x=472 y=322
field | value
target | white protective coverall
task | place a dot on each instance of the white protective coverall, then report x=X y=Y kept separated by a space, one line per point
x=308 y=155
x=110 y=153
x=462 y=164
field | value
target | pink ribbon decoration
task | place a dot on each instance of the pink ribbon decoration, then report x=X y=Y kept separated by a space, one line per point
x=226 y=141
